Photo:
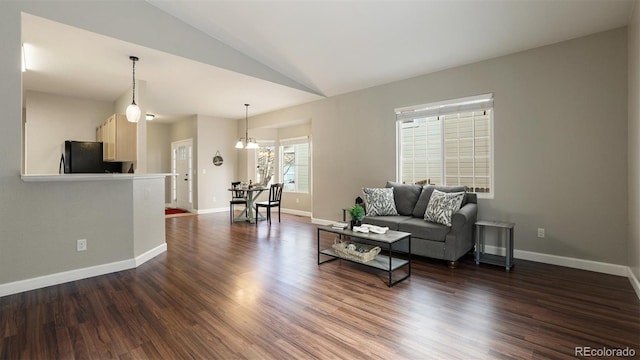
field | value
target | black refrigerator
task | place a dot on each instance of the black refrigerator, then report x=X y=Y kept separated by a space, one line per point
x=86 y=157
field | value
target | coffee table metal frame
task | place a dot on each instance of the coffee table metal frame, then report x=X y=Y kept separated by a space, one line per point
x=382 y=262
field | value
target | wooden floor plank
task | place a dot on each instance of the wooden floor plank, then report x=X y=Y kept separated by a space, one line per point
x=241 y=291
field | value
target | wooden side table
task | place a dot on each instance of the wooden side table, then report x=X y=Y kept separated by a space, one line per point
x=481 y=256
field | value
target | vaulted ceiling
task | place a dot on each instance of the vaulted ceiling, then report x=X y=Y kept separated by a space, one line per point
x=327 y=47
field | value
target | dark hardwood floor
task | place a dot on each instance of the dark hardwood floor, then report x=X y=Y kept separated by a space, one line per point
x=242 y=291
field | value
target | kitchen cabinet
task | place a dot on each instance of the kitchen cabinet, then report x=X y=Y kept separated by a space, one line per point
x=119 y=138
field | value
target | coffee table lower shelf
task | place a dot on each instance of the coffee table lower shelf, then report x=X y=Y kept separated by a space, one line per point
x=379 y=262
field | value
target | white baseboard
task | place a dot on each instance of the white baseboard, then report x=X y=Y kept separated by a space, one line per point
x=596 y=266
x=634 y=282
x=148 y=255
x=210 y=211
x=296 y=212
x=79 y=274
x=601 y=267
x=322 y=221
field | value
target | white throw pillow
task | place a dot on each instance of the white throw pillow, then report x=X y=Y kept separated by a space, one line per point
x=442 y=205
x=379 y=201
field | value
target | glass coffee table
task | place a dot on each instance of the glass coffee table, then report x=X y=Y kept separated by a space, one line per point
x=383 y=262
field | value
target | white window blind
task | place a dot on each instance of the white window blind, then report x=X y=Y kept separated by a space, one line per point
x=421 y=155
x=447 y=143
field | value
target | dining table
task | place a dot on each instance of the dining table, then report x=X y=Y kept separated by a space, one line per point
x=252 y=193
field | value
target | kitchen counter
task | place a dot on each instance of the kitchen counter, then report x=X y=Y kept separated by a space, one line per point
x=120 y=216
x=89 y=177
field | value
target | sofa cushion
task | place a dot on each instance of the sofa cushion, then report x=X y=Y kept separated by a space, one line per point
x=423 y=200
x=470 y=198
x=406 y=196
x=424 y=230
x=442 y=206
x=392 y=222
x=379 y=201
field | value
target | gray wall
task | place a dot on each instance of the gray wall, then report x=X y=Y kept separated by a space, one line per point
x=148 y=215
x=159 y=153
x=560 y=142
x=633 y=250
x=215 y=134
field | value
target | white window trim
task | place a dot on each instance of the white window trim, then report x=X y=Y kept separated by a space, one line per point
x=294 y=140
x=467 y=104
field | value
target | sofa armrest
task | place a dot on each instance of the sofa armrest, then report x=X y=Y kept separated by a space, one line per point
x=464 y=217
x=460 y=239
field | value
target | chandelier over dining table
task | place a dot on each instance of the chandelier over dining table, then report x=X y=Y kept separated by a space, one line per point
x=246 y=142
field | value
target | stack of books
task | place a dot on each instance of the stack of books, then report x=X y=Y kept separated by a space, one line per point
x=339 y=225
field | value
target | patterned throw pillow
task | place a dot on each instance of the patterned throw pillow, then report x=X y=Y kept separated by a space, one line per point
x=379 y=201
x=442 y=205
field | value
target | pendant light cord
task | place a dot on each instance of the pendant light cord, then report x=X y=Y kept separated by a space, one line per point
x=134 y=59
x=134 y=81
x=246 y=123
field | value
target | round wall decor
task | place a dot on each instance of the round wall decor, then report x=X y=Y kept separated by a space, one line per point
x=217 y=159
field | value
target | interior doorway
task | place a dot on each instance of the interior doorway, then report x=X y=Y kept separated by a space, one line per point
x=182 y=182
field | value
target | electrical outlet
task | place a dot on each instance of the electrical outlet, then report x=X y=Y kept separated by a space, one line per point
x=297 y=200
x=541 y=233
x=214 y=199
x=81 y=245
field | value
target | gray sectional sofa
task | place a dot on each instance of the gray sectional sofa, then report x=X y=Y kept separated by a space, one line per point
x=427 y=238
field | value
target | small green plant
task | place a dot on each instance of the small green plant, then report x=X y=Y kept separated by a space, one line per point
x=357 y=212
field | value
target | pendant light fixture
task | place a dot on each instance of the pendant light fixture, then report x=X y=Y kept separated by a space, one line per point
x=133 y=110
x=246 y=142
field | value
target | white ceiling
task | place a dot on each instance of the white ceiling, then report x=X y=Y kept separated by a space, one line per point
x=92 y=66
x=331 y=47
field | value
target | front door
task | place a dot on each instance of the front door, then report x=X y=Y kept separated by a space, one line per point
x=182 y=165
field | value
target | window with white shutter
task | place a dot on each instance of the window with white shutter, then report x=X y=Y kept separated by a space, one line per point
x=447 y=143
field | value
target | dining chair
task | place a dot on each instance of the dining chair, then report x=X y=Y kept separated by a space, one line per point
x=275 y=197
x=238 y=197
